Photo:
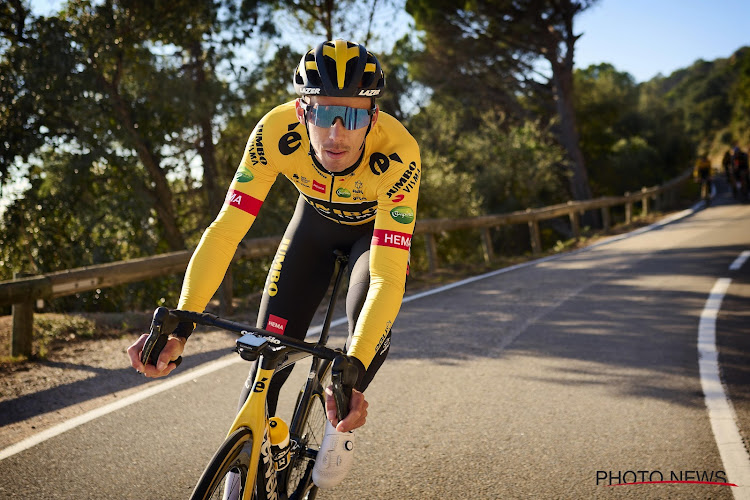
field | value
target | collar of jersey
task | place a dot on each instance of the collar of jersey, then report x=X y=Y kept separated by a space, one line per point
x=347 y=171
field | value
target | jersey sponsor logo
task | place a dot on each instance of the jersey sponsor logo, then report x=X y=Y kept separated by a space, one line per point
x=274 y=274
x=407 y=182
x=256 y=153
x=317 y=186
x=402 y=214
x=291 y=141
x=243 y=201
x=343 y=193
x=397 y=198
x=369 y=93
x=350 y=214
x=379 y=162
x=243 y=175
x=301 y=180
x=393 y=239
x=276 y=324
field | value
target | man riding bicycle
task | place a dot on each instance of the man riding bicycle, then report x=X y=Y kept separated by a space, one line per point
x=702 y=174
x=357 y=170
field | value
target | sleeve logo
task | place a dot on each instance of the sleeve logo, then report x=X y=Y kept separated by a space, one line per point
x=393 y=239
x=243 y=201
x=403 y=215
x=244 y=175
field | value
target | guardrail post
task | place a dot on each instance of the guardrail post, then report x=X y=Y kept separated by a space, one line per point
x=628 y=210
x=489 y=253
x=605 y=218
x=536 y=240
x=431 y=246
x=575 y=223
x=23 y=324
x=644 y=202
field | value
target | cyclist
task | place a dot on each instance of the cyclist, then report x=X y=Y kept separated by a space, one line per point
x=702 y=173
x=726 y=164
x=357 y=170
x=740 y=172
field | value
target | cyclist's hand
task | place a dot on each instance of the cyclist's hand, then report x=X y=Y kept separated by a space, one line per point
x=172 y=350
x=357 y=411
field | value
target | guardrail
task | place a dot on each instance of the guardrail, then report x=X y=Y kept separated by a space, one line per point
x=23 y=292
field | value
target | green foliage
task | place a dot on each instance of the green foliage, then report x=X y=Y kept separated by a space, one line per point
x=630 y=135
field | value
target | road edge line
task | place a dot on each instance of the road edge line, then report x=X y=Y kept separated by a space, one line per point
x=116 y=405
x=721 y=412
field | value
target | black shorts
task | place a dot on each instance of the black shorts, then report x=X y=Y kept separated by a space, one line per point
x=300 y=275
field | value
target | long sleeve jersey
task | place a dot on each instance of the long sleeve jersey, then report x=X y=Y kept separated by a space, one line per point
x=383 y=186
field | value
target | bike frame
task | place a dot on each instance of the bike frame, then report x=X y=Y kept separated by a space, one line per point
x=277 y=353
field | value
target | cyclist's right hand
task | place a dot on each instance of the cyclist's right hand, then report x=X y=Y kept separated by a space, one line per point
x=164 y=366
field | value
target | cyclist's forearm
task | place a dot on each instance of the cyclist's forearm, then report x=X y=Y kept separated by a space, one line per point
x=211 y=259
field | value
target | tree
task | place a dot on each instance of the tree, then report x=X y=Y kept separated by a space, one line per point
x=505 y=39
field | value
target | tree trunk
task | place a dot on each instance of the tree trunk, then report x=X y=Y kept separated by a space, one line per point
x=212 y=178
x=161 y=191
x=562 y=79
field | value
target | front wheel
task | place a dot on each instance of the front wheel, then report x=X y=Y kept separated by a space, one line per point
x=299 y=485
x=226 y=473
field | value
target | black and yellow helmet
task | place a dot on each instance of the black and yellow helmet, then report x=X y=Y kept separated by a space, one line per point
x=339 y=69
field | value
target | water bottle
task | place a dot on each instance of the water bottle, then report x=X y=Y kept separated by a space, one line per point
x=278 y=433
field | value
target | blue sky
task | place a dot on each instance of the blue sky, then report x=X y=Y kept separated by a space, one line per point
x=647 y=37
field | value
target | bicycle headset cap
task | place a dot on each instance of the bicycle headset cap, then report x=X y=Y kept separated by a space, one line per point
x=339 y=68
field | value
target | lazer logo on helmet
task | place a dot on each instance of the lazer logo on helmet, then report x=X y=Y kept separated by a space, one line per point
x=306 y=90
x=369 y=93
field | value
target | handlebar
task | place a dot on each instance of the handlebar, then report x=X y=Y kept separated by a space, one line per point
x=344 y=372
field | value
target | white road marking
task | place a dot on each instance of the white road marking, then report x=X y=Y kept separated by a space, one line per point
x=109 y=408
x=223 y=362
x=739 y=261
x=720 y=410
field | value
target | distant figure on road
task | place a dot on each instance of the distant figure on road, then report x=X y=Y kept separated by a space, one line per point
x=702 y=173
x=740 y=174
x=726 y=164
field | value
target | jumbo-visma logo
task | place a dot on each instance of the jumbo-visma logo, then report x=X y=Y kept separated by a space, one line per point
x=404 y=215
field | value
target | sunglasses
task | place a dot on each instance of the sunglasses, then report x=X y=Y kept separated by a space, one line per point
x=326 y=116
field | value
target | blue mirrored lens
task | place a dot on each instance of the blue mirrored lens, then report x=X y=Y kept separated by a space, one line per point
x=326 y=116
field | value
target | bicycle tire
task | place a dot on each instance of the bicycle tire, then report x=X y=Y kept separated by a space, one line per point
x=232 y=457
x=299 y=485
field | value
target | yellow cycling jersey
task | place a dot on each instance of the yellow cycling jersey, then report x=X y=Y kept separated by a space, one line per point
x=383 y=186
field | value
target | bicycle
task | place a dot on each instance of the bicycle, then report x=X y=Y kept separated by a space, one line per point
x=243 y=465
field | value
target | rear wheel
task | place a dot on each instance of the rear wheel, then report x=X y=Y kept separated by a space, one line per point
x=227 y=470
x=310 y=437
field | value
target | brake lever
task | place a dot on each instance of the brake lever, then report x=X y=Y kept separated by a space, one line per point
x=162 y=324
x=343 y=376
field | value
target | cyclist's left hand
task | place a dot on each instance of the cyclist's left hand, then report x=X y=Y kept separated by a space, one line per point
x=357 y=411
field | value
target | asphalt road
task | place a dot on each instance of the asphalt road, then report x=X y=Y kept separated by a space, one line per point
x=552 y=380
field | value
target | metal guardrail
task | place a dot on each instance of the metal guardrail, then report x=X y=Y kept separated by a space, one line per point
x=23 y=292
